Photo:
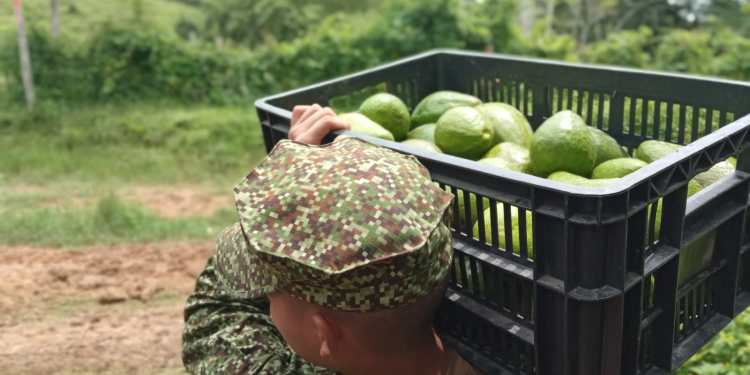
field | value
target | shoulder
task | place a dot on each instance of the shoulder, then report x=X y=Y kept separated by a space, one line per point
x=231 y=238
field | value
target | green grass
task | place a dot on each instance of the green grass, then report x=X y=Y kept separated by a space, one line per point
x=109 y=221
x=54 y=156
x=143 y=143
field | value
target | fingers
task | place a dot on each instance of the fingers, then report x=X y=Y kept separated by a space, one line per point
x=302 y=113
x=309 y=112
x=297 y=112
x=320 y=129
x=308 y=122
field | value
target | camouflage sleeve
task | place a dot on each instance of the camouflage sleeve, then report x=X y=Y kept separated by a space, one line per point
x=227 y=333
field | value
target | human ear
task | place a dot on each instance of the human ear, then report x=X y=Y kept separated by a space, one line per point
x=326 y=334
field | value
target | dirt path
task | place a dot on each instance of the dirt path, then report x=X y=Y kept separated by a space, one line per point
x=113 y=310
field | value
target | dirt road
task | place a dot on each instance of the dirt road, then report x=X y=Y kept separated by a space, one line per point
x=97 y=310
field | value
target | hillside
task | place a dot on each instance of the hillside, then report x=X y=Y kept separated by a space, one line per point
x=78 y=17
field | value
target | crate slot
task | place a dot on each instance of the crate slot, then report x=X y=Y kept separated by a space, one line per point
x=649 y=283
x=646 y=357
x=508 y=231
x=506 y=289
x=694 y=307
x=497 y=336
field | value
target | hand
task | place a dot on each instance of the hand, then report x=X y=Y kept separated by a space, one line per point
x=311 y=123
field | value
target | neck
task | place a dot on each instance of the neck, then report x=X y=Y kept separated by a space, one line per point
x=423 y=356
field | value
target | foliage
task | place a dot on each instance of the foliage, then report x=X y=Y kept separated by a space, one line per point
x=255 y=23
x=133 y=59
x=630 y=48
x=80 y=18
x=684 y=51
x=727 y=354
x=542 y=44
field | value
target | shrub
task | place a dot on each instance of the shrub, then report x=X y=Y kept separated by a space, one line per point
x=630 y=47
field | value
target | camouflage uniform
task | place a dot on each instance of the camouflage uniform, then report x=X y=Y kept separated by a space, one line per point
x=348 y=226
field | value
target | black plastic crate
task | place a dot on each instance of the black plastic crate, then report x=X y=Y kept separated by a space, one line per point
x=600 y=294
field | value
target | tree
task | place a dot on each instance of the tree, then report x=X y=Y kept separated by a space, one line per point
x=23 y=52
x=260 y=22
x=55 y=8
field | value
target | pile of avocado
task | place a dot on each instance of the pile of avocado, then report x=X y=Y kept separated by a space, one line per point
x=563 y=148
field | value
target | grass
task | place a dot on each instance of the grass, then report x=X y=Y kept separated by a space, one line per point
x=146 y=143
x=55 y=156
x=109 y=221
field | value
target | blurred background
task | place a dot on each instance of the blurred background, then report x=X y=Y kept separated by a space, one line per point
x=119 y=148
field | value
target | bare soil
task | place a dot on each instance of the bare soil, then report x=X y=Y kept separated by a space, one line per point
x=98 y=310
x=179 y=201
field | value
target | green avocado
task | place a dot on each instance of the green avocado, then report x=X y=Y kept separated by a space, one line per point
x=715 y=173
x=652 y=150
x=497 y=162
x=563 y=143
x=421 y=143
x=362 y=124
x=696 y=256
x=388 y=111
x=426 y=132
x=616 y=168
x=464 y=132
x=514 y=153
x=434 y=105
x=573 y=179
x=510 y=124
x=500 y=214
x=502 y=164
x=472 y=207
x=606 y=147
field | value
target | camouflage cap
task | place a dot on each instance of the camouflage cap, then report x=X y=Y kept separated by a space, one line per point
x=348 y=225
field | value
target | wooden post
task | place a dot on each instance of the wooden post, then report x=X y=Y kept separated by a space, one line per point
x=23 y=51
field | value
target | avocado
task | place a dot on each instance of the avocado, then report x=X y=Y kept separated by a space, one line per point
x=510 y=125
x=514 y=153
x=472 y=207
x=426 y=132
x=693 y=188
x=696 y=256
x=573 y=179
x=515 y=228
x=388 y=111
x=563 y=143
x=652 y=150
x=715 y=173
x=464 y=132
x=362 y=124
x=434 y=105
x=421 y=143
x=502 y=164
x=616 y=168
x=606 y=147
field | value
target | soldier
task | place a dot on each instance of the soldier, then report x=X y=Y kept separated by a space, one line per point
x=337 y=265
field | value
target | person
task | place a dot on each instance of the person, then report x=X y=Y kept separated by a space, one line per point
x=337 y=265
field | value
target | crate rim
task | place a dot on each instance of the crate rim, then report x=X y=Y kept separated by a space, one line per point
x=624 y=185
